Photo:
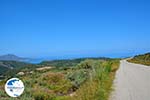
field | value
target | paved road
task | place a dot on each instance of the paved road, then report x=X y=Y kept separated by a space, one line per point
x=132 y=82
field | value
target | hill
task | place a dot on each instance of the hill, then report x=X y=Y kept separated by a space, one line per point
x=12 y=57
x=90 y=79
x=10 y=68
x=10 y=65
x=141 y=59
x=68 y=62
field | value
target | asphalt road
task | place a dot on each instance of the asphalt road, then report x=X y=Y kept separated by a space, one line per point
x=132 y=82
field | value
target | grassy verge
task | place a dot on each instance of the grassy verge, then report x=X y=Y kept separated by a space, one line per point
x=99 y=84
x=88 y=80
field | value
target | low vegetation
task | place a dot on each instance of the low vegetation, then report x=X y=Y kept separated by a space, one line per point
x=89 y=79
x=9 y=65
x=141 y=59
x=99 y=82
x=68 y=62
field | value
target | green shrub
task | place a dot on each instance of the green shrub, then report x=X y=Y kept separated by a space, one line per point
x=78 y=77
x=87 y=64
x=99 y=86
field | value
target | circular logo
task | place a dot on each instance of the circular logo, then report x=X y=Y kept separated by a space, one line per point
x=14 y=87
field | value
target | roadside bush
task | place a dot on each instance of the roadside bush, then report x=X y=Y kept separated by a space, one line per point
x=87 y=64
x=98 y=87
x=78 y=77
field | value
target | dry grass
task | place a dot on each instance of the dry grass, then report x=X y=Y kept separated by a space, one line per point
x=55 y=86
x=141 y=59
x=100 y=86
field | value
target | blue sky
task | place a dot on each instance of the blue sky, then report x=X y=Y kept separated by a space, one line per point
x=45 y=28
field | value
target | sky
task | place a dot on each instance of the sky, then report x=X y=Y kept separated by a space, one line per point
x=74 y=28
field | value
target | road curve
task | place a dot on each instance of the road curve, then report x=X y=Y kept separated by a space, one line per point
x=132 y=82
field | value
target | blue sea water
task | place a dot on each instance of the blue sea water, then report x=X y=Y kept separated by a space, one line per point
x=34 y=61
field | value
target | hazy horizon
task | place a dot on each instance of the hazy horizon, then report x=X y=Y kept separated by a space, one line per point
x=72 y=56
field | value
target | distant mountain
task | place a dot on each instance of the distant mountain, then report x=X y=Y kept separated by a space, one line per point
x=11 y=57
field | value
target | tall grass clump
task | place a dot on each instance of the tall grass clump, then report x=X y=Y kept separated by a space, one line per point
x=98 y=85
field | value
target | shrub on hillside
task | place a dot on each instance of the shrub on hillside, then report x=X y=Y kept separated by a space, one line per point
x=78 y=77
x=87 y=64
x=57 y=82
